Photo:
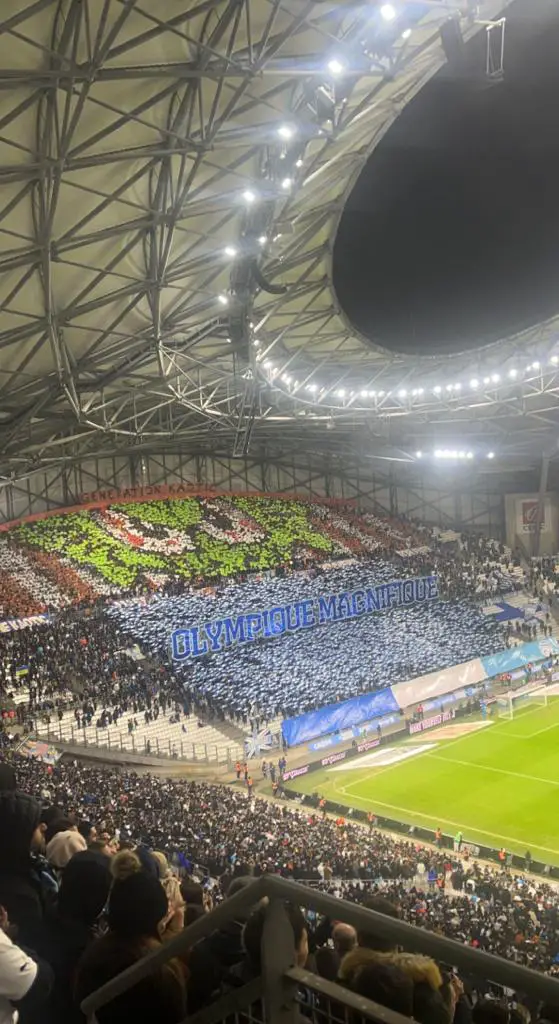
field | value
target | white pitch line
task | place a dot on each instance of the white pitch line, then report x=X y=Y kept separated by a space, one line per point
x=460 y=825
x=490 y=768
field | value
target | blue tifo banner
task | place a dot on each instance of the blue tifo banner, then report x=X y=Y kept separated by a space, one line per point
x=209 y=637
x=355 y=732
x=519 y=657
x=337 y=717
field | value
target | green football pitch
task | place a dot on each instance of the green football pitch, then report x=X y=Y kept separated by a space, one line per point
x=499 y=785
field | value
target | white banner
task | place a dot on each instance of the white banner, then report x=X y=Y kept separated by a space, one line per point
x=436 y=684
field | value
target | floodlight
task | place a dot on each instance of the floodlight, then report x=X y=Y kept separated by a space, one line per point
x=335 y=67
x=388 y=12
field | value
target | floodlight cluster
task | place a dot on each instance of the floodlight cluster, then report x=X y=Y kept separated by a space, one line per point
x=454 y=454
x=452 y=390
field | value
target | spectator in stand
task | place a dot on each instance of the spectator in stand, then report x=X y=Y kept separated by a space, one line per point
x=26 y=885
x=196 y=823
x=210 y=959
x=375 y=949
x=70 y=929
x=251 y=965
x=63 y=846
x=329 y=958
x=25 y=981
x=386 y=984
x=137 y=913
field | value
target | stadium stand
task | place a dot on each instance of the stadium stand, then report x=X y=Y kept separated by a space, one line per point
x=99 y=671
x=167 y=545
x=216 y=835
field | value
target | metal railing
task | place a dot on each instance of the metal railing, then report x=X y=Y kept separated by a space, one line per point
x=273 y=997
x=125 y=742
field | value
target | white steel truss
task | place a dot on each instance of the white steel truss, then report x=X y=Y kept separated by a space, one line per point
x=171 y=179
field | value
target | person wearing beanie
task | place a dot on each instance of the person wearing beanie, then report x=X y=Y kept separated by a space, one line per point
x=138 y=909
x=70 y=929
x=23 y=890
x=63 y=846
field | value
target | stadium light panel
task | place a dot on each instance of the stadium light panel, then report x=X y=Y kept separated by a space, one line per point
x=513 y=373
x=474 y=383
x=437 y=389
x=388 y=12
x=286 y=132
x=490 y=455
x=230 y=250
x=335 y=67
x=286 y=184
x=495 y=378
x=249 y=196
x=223 y=300
x=262 y=240
x=418 y=455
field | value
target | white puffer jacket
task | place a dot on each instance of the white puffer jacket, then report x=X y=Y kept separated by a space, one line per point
x=17 y=974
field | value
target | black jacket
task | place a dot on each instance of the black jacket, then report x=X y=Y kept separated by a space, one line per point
x=209 y=961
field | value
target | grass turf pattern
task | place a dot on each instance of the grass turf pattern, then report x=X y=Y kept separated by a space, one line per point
x=499 y=786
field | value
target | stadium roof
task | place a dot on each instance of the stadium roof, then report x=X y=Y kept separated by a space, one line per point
x=171 y=179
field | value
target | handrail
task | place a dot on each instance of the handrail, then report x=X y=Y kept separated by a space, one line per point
x=475 y=961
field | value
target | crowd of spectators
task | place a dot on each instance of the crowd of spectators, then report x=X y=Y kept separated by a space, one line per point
x=87 y=887
x=111 y=661
x=317 y=666
x=172 y=545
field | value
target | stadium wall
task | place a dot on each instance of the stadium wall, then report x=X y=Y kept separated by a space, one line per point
x=401 y=490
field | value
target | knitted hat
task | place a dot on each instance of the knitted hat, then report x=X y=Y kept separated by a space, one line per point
x=85 y=887
x=136 y=906
x=63 y=846
x=19 y=817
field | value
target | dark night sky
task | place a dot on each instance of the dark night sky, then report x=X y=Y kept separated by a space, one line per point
x=450 y=238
